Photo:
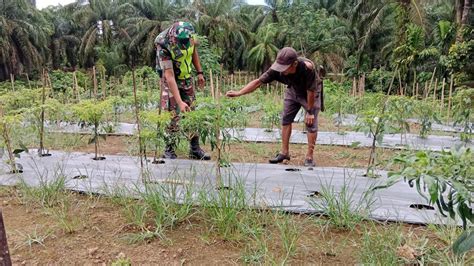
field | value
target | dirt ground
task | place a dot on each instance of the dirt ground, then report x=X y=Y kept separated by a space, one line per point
x=99 y=238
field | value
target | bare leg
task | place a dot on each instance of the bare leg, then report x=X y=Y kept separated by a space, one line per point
x=311 y=143
x=285 y=139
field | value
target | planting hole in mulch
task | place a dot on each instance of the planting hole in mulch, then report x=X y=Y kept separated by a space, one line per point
x=421 y=206
x=158 y=161
x=80 y=177
x=292 y=169
x=313 y=194
x=223 y=188
x=16 y=171
x=45 y=155
x=100 y=158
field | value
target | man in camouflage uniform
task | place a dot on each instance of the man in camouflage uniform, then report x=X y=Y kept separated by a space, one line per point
x=175 y=52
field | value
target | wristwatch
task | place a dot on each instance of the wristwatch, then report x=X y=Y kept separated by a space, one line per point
x=200 y=73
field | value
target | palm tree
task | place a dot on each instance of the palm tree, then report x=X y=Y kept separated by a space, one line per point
x=219 y=20
x=65 y=40
x=101 y=19
x=264 y=52
x=147 y=23
x=24 y=35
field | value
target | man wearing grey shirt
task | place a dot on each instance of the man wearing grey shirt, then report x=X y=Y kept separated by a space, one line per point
x=304 y=89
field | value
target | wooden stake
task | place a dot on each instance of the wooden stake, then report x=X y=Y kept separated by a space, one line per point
x=416 y=91
x=391 y=82
x=431 y=81
x=94 y=81
x=212 y=84
x=451 y=83
x=435 y=89
x=414 y=82
x=354 y=86
x=28 y=80
x=4 y=252
x=400 y=83
x=137 y=118
x=240 y=77
x=427 y=91
x=12 y=79
x=232 y=81
x=441 y=106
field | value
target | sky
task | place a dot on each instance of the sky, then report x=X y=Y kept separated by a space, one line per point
x=45 y=3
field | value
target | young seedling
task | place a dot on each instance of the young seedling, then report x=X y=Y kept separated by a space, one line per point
x=6 y=124
x=154 y=131
x=374 y=122
x=93 y=113
x=271 y=118
x=399 y=109
x=463 y=112
x=427 y=113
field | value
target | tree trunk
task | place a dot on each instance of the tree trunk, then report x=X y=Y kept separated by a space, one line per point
x=462 y=17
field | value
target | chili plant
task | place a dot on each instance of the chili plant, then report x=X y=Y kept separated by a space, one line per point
x=271 y=117
x=93 y=113
x=443 y=178
x=7 y=122
x=400 y=108
x=374 y=123
x=214 y=123
x=154 y=131
x=426 y=112
x=463 y=112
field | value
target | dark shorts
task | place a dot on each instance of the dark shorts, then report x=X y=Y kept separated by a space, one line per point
x=186 y=91
x=292 y=104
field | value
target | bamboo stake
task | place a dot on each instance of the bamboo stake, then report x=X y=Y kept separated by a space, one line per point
x=416 y=91
x=212 y=84
x=400 y=83
x=137 y=118
x=354 y=87
x=451 y=83
x=28 y=80
x=426 y=91
x=391 y=82
x=442 y=96
x=12 y=79
x=218 y=141
x=94 y=81
x=4 y=252
x=431 y=81
x=74 y=88
x=414 y=82
x=435 y=89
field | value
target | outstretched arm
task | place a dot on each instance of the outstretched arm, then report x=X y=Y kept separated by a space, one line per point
x=250 y=87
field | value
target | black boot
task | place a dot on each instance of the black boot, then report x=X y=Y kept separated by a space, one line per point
x=195 y=151
x=169 y=152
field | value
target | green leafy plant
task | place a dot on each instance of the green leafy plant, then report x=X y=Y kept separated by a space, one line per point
x=400 y=109
x=463 y=112
x=271 y=117
x=448 y=178
x=93 y=113
x=153 y=131
x=7 y=122
x=374 y=123
x=427 y=113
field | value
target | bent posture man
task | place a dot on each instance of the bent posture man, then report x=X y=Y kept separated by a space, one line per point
x=304 y=89
x=175 y=52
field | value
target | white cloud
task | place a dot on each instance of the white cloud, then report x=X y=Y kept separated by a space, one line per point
x=40 y=4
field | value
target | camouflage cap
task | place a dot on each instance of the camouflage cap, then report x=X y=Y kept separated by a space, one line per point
x=184 y=30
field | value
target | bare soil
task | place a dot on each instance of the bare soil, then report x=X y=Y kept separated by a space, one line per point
x=98 y=238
